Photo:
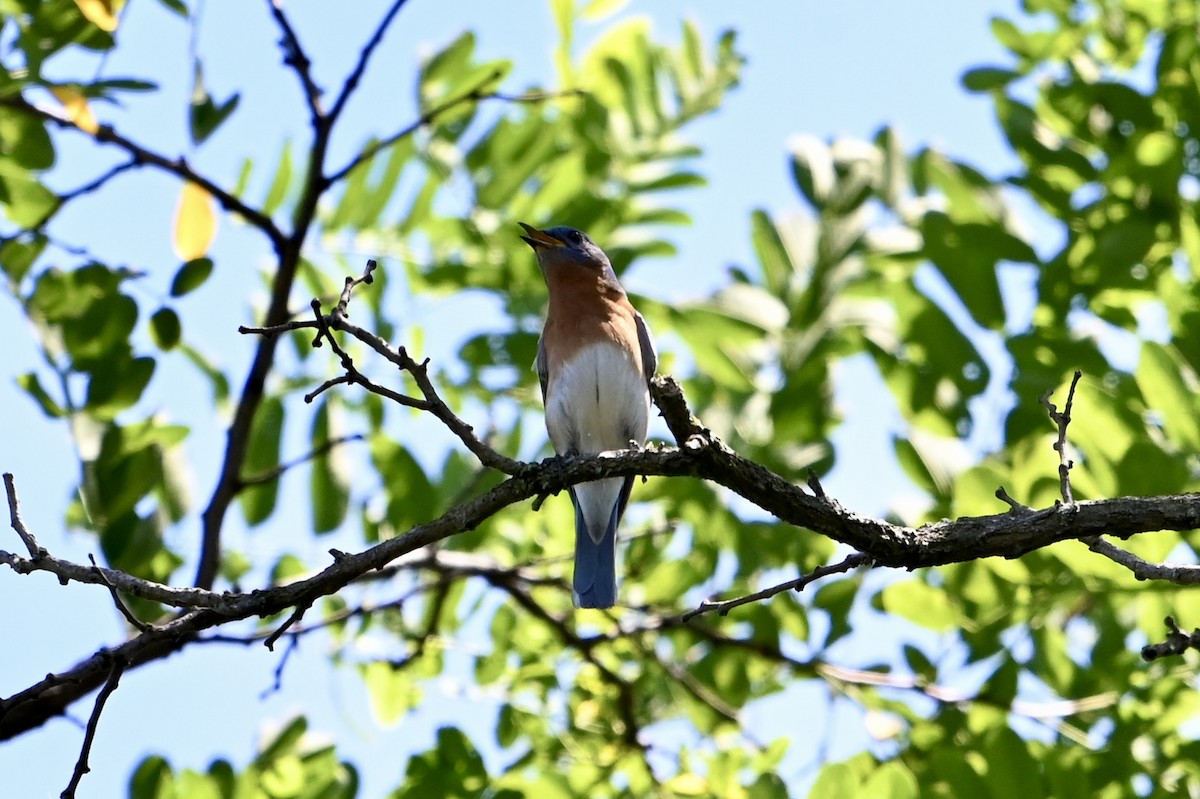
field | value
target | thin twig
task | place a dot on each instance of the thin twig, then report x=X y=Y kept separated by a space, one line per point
x=278 y=471
x=36 y=551
x=179 y=167
x=431 y=401
x=814 y=484
x=723 y=607
x=87 y=188
x=295 y=57
x=1063 y=420
x=293 y=645
x=137 y=623
x=1177 y=642
x=1180 y=574
x=366 y=277
x=116 y=668
x=1013 y=505
x=364 y=58
x=297 y=614
x=953 y=696
x=475 y=95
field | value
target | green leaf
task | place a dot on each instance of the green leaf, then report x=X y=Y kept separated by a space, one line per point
x=17 y=257
x=281 y=181
x=920 y=603
x=25 y=140
x=812 y=169
x=773 y=257
x=165 y=328
x=177 y=6
x=119 y=385
x=216 y=378
x=1012 y=771
x=262 y=455
x=288 y=568
x=1169 y=387
x=31 y=385
x=206 y=115
x=152 y=779
x=102 y=88
x=329 y=482
x=392 y=691
x=101 y=331
x=26 y=201
x=891 y=781
x=985 y=79
x=412 y=498
x=283 y=744
x=835 y=781
x=191 y=276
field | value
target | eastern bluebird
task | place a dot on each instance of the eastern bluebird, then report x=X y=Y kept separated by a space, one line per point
x=595 y=359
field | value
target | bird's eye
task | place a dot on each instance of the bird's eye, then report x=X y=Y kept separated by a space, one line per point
x=576 y=237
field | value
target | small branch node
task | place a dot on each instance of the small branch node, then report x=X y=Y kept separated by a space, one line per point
x=1014 y=505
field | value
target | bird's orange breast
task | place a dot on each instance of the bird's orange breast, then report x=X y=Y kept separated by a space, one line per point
x=586 y=308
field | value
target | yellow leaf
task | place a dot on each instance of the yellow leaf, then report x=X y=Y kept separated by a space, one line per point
x=101 y=13
x=76 y=106
x=690 y=784
x=195 y=223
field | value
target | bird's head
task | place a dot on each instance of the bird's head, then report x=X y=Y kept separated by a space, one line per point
x=565 y=246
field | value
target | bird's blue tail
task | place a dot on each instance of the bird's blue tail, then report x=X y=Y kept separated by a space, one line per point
x=595 y=566
x=595 y=563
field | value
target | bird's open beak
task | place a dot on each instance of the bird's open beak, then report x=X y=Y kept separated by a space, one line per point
x=539 y=238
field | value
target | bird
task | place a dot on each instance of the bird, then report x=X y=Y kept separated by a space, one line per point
x=595 y=358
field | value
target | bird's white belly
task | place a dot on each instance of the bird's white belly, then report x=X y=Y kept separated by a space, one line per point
x=598 y=401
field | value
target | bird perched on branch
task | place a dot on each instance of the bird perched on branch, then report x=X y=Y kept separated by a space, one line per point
x=595 y=360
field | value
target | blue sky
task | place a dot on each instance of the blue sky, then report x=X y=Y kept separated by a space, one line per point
x=826 y=69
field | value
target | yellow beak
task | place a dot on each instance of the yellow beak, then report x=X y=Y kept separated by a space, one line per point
x=539 y=238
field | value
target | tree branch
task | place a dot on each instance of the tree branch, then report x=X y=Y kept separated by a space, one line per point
x=295 y=58
x=1180 y=574
x=364 y=57
x=1177 y=642
x=81 y=765
x=723 y=607
x=36 y=551
x=476 y=95
x=179 y=167
x=1063 y=420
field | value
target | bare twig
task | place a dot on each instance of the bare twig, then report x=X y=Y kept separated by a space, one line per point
x=814 y=485
x=430 y=402
x=116 y=668
x=953 y=696
x=1014 y=506
x=1180 y=574
x=278 y=471
x=297 y=614
x=723 y=607
x=87 y=188
x=295 y=58
x=1063 y=420
x=137 y=623
x=36 y=552
x=1177 y=642
x=475 y=95
x=364 y=57
x=293 y=645
x=366 y=277
x=179 y=167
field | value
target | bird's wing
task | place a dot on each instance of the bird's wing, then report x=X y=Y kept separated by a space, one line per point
x=646 y=342
x=539 y=364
